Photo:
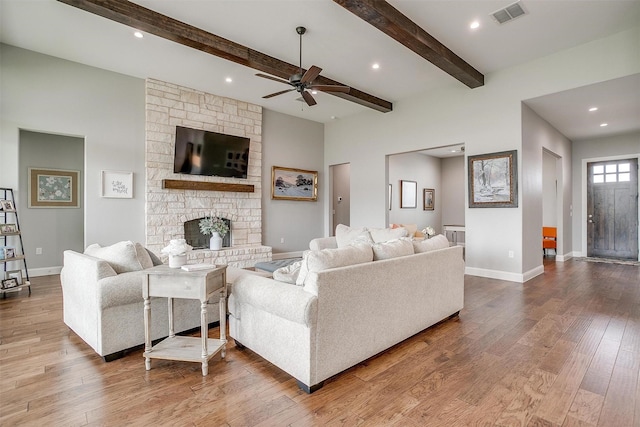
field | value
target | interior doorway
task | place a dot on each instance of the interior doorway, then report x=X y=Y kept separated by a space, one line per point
x=340 y=197
x=612 y=209
x=551 y=204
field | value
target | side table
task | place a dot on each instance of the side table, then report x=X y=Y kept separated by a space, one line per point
x=162 y=281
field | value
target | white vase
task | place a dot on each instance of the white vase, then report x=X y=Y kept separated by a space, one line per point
x=177 y=261
x=215 y=244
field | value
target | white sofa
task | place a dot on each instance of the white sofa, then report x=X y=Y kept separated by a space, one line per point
x=103 y=304
x=337 y=317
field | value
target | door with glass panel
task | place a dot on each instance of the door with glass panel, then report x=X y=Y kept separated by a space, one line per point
x=612 y=209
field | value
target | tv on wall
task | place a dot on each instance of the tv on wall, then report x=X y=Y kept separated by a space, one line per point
x=201 y=152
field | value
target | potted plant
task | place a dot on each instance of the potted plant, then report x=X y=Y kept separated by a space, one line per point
x=216 y=227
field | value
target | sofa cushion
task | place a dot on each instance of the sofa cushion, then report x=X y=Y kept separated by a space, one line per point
x=143 y=256
x=121 y=256
x=346 y=235
x=314 y=261
x=385 y=234
x=392 y=249
x=436 y=242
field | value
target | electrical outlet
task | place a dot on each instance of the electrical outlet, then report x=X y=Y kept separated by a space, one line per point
x=38 y=251
x=282 y=240
x=510 y=254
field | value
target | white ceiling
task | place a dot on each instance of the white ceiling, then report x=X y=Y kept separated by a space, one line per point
x=344 y=46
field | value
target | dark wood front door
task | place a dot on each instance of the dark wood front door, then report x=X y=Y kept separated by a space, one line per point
x=612 y=209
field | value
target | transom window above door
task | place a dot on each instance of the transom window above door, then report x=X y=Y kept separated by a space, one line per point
x=612 y=172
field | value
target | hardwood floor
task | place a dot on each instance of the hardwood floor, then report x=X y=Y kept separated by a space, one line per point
x=560 y=350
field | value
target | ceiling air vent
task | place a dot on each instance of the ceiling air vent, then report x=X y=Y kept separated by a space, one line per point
x=510 y=12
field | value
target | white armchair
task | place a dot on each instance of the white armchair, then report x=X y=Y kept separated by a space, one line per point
x=103 y=304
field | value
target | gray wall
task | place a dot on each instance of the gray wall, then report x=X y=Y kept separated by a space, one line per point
x=341 y=185
x=49 y=228
x=619 y=146
x=50 y=95
x=486 y=119
x=549 y=190
x=452 y=195
x=293 y=143
x=425 y=171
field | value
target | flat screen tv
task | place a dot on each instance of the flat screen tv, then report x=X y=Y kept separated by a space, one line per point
x=201 y=152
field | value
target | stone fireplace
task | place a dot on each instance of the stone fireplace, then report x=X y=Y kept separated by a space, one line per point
x=169 y=208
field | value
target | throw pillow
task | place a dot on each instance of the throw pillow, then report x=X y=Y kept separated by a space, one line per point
x=315 y=261
x=346 y=235
x=121 y=256
x=288 y=274
x=385 y=234
x=143 y=256
x=436 y=242
x=392 y=249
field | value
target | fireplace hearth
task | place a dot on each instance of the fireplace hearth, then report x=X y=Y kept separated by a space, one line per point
x=197 y=240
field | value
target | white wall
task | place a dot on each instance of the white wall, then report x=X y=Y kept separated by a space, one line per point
x=293 y=143
x=341 y=202
x=425 y=171
x=487 y=119
x=50 y=95
x=619 y=146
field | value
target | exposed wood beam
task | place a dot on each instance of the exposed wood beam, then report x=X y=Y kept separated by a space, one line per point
x=143 y=19
x=393 y=23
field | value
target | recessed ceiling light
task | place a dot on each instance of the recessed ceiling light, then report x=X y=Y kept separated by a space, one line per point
x=375 y=66
x=604 y=124
x=138 y=34
x=474 y=25
x=228 y=80
x=314 y=92
x=593 y=109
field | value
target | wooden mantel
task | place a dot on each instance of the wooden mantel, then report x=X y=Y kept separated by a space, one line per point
x=175 y=184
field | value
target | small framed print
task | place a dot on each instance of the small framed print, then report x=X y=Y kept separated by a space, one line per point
x=54 y=188
x=429 y=199
x=9 y=283
x=14 y=274
x=408 y=194
x=9 y=253
x=7 y=206
x=117 y=185
x=8 y=229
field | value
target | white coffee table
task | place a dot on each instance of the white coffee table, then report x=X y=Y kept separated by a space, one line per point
x=162 y=281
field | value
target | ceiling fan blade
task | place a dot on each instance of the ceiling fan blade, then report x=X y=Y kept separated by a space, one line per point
x=277 y=93
x=308 y=99
x=277 y=79
x=331 y=88
x=311 y=74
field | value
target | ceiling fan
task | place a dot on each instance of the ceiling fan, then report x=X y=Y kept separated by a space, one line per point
x=303 y=82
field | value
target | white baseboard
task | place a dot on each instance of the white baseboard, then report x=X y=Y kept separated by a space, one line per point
x=285 y=255
x=567 y=257
x=494 y=274
x=528 y=275
x=44 y=271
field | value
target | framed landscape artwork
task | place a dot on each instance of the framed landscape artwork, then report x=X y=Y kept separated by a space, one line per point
x=294 y=184
x=493 y=180
x=53 y=188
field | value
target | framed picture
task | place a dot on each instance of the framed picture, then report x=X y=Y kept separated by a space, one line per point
x=9 y=283
x=408 y=194
x=53 y=188
x=493 y=180
x=7 y=206
x=389 y=197
x=8 y=228
x=429 y=199
x=117 y=185
x=9 y=253
x=14 y=274
x=294 y=184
